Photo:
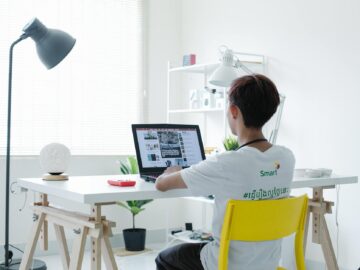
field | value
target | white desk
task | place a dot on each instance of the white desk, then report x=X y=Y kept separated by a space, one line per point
x=95 y=191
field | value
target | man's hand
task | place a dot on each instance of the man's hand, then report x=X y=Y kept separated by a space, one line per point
x=172 y=169
x=170 y=179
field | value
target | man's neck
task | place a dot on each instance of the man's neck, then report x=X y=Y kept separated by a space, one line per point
x=249 y=134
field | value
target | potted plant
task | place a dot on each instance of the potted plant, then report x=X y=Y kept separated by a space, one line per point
x=134 y=238
x=230 y=143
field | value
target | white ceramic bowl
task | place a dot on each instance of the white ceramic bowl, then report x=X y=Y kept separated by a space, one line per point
x=313 y=173
x=299 y=172
x=326 y=172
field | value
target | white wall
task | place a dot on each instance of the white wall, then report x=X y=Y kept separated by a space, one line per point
x=163 y=46
x=313 y=56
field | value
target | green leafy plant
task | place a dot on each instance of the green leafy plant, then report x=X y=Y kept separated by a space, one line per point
x=230 y=143
x=130 y=166
x=135 y=207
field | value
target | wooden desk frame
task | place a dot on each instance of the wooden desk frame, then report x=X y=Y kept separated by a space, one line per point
x=320 y=232
x=97 y=227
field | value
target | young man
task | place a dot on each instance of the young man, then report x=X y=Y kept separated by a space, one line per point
x=257 y=170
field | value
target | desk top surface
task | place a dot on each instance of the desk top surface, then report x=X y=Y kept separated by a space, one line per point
x=95 y=189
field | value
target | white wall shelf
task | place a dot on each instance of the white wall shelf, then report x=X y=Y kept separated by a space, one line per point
x=184 y=236
x=211 y=119
x=197 y=68
x=201 y=199
x=247 y=59
x=197 y=110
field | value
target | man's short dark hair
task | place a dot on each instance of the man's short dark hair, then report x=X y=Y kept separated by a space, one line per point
x=257 y=98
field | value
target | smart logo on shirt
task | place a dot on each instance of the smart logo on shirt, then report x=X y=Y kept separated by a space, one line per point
x=264 y=173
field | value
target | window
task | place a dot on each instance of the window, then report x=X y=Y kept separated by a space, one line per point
x=89 y=101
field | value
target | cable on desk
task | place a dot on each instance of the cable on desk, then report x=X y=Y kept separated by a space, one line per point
x=12 y=190
x=15 y=192
x=24 y=204
x=16 y=248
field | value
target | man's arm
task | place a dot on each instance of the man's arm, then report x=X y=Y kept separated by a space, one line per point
x=170 y=179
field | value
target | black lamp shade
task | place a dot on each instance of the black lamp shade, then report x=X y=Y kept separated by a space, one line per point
x=52 y=45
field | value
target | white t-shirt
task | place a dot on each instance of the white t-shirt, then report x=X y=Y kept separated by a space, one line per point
x=245 y=174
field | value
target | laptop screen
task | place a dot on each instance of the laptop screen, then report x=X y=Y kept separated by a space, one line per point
x=163 y=145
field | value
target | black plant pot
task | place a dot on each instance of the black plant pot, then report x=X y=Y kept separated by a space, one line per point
x=134 y=239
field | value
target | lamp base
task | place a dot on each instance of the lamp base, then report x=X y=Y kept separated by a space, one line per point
x=15 y=265
x=55 y=177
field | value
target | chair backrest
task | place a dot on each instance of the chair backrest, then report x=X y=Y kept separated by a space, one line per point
x=265 y=220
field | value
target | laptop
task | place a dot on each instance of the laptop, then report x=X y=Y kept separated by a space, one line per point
x=159 y=146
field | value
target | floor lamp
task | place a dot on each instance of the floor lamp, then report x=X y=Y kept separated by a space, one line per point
x=52 y=47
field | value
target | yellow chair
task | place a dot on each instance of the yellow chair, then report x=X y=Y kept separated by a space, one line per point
x=265 y=220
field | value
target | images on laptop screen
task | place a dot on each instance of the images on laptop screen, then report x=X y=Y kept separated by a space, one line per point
x=165 y=145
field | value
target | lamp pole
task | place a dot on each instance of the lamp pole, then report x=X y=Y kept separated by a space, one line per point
x=7 y=178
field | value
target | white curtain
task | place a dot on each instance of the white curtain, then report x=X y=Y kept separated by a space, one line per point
x=89 y=101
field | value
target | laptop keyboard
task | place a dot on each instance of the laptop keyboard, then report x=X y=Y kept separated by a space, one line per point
x=149 y=178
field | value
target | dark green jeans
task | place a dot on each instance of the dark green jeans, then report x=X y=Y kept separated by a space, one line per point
x=180 y=257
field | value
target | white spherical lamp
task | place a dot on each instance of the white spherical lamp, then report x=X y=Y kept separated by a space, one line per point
x=54 y=160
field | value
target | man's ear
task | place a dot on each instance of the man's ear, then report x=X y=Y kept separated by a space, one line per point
x=234 y=111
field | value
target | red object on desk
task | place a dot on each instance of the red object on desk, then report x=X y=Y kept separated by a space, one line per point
x=122 y=183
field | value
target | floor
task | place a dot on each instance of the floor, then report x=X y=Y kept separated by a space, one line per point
x=136 y=262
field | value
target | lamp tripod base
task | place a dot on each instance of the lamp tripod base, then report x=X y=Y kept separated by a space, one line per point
x=15 y=265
